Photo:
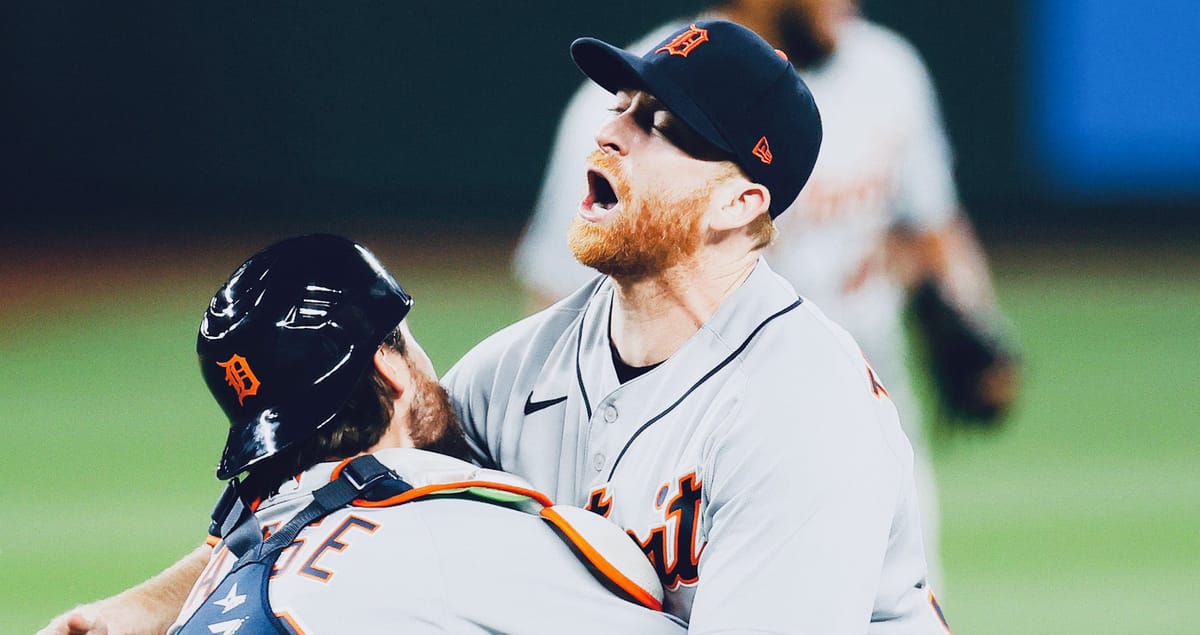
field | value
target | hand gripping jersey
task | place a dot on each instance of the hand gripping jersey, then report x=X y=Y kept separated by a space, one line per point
x=422 y=544
x=885 y=162
x=761 y=468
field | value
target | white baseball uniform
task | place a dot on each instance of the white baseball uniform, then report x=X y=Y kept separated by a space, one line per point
x=884 y=162
x=761 y=467
x=440 y=564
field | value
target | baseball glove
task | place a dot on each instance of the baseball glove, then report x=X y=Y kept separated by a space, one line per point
x=973 y=371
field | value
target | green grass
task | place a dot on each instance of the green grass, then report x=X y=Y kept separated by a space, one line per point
x=1080 y=516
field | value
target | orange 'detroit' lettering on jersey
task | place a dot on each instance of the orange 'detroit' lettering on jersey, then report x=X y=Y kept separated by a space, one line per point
x=240 y=377
x=685 y=42
x=599 y=502
x=762 y=150
x=680 y=564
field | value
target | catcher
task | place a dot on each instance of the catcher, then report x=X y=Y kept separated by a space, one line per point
x=356 y=514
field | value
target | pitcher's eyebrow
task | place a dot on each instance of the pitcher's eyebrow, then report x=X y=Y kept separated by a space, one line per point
x=651 y=102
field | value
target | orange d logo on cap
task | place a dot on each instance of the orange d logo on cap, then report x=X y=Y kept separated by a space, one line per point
x=685 y=42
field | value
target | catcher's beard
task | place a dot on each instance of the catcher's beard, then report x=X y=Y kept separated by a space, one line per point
x=432 y=423
x=648 y=236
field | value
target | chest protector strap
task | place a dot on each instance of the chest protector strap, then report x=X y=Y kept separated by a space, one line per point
x=241 y=602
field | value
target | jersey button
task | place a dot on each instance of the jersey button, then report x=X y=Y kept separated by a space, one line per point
x=610 y=413
x=598 y=462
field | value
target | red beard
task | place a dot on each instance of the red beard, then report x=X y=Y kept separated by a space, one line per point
x=649 y=235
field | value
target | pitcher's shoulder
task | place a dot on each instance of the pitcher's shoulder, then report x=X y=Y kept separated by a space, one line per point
x=538 y=331
x=806 y=351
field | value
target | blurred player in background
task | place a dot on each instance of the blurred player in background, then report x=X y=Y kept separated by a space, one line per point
x=879 y=218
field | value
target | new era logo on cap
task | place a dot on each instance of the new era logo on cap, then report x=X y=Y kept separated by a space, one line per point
x=762 y=150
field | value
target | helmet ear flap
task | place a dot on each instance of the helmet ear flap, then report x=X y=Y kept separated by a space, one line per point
x=288 y=336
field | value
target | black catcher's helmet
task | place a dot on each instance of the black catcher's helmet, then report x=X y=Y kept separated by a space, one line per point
x=287 y=337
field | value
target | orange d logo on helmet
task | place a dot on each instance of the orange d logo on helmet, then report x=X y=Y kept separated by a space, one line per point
x=239 y=377
x=685 y=42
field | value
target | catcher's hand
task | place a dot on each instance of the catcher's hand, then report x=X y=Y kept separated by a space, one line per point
x=974 y=372
x=82 y=620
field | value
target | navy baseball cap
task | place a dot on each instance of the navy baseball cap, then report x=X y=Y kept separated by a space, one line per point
x=731 y=87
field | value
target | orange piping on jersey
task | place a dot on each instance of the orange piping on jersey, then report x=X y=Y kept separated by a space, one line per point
x=439 y=487
x=877 y=387
x=598 y=561
x=291 y=623
x=937 y=609
x=212 y=541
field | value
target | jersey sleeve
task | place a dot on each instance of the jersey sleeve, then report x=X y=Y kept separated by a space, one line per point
x=468 y=385
x=801 y=502
x=926 y=196
x=481 y=386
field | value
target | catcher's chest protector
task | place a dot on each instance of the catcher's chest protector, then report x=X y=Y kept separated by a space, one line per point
x=239 y=605
x=242 y=603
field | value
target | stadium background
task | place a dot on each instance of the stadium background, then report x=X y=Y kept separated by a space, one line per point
x=151 y=147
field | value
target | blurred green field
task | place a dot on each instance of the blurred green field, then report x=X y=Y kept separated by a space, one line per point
x=1081 y=517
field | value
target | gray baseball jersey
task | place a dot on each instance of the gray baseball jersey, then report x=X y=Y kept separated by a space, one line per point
x=761 y=468
x=443 y=564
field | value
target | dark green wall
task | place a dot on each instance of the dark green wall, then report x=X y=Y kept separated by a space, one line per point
x=183 y=115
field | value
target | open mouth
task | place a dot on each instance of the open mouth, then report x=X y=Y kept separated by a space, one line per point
x=601 y=196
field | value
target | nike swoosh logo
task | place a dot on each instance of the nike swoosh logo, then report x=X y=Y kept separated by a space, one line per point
x=532 y=406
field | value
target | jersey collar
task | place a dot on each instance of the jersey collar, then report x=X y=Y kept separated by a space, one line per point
x=763 y=295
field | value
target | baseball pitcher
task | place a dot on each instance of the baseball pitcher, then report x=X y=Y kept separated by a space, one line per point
x=880 y=212
x=690 y=395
